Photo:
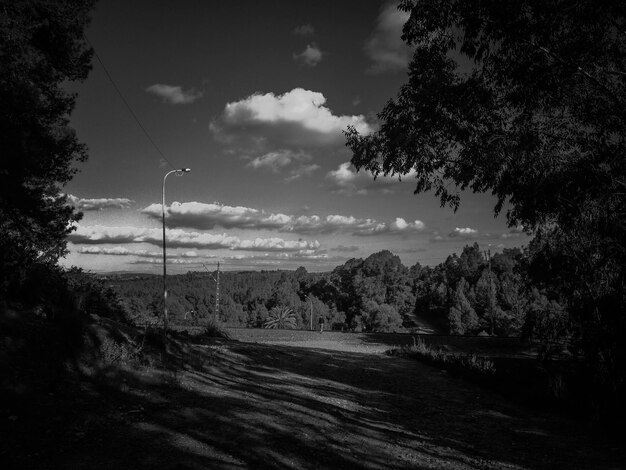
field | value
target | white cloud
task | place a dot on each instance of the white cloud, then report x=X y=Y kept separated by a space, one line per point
x=294 y=162
x=385 y=47
x=172 y=94
x=176 y=238
x=277 y=244
x=279 y=159
x=82 y=204
x=203 y=216
x=350 y=224
x=398 y=226
x=122 y=251
x=310 y=56
x=464 y=232
x=347 y=181
x=207 y=216
x=460 y=233
x=300 y=106
x=304 y=30
x=296 y=119
x=169 y=261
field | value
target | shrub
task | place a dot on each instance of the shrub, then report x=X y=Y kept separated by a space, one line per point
x=113 y=353
x=213 y=330
x=471 y=363
x=281 y=317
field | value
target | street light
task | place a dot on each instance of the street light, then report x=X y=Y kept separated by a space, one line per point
x=179 y=172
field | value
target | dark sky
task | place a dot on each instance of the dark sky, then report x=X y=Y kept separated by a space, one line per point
x=253 y=97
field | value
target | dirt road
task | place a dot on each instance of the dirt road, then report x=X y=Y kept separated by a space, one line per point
x=240 y=405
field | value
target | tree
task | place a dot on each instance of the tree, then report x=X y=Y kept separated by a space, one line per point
x=525 y=99
x=41 y=49
x=548 y=323
x=462 y=317
x=383 y=318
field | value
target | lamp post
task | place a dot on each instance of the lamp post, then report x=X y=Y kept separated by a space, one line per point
x=179 y=172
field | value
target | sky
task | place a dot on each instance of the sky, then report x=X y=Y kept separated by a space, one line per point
x=253 y=97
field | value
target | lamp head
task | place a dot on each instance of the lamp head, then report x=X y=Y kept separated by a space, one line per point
x=182 y=171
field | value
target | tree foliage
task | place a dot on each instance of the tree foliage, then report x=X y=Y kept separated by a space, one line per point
x=525 y=99
x=41 y=49
x=466 y=294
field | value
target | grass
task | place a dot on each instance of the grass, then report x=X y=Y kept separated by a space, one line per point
x=462 y=363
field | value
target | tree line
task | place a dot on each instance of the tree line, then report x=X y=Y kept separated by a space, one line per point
x=467 y=294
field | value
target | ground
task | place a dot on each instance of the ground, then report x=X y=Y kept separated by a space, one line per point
x=305 y=401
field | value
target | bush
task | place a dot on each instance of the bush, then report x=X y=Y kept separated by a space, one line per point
x=212 y=330
x=113 y=353
x=281 y=318
x=467 y=363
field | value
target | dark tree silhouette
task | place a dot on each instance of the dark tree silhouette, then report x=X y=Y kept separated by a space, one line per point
x=41 y=49
x=525 y=99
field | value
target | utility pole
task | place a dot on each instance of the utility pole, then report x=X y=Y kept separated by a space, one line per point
x=217 y=294
x=492 y=307
x=217 y=290
x=311 y=302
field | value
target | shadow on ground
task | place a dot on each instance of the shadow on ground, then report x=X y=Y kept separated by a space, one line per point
x=229 y=405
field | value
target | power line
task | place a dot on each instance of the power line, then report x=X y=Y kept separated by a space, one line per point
x=119 y=92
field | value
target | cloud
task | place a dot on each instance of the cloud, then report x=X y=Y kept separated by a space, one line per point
x=304 y=170
x=122 y=251
x=296 y=119
x=175 y=94
x=385 y=47
x=98 y=204
x=310 y=56
x=398 y=226
x=347 y=181
x=514 y=232
x=349 y=224
x=295 y=163
x=277 y=244
x=304 y=30
x=460 y=233
x=176 y=238
x=465 y=232
x=279 y=159
x=203 y=216
x=207 y=216
x=159 y=261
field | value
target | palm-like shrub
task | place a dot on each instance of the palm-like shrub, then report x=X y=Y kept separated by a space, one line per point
x=281 y=317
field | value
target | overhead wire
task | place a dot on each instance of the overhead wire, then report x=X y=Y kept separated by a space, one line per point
x=130 y=109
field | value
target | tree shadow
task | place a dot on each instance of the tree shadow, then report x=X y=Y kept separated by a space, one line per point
x=234 y=405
